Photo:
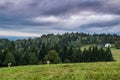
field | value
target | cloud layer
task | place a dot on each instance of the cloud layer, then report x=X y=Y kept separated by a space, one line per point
x=35 y=17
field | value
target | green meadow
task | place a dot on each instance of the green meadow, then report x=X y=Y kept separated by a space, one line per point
x=72 y=71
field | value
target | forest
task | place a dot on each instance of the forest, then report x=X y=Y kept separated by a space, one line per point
x=59 y=48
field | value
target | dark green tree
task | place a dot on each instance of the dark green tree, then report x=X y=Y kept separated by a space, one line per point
x=117 y=44
x=108 y=55
x=42 y=52
x=63 y=54
x=33 y=58
x=9 y=58
x=53 y=57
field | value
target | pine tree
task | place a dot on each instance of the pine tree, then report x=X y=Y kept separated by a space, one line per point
x=53 y=57
x=33 y=58
x=9 y=58
x=63 y=53
x=108 y=55
x=95 y=53
x=79 y=57
x=42 y=52
x=70 y=54
x=76 y=55
x=101 y=54
x=84 y=55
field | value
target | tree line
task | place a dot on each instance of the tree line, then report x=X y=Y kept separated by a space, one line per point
x=67 y=55
x=56 y=48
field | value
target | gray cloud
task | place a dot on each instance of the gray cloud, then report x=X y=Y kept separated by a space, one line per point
x=67 y=15
x=104 y=24
x=55 y=7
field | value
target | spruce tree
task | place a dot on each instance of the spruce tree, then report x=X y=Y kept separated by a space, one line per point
x=53 y=57
x=42 y=52
x=9 y=58
x=63 y=53
x=33 y=58
x=108 y=55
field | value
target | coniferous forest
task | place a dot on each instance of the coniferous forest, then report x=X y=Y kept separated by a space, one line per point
x=65 y=48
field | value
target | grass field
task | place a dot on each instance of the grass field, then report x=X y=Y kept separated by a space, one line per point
x=75 y=71
x=116 y=54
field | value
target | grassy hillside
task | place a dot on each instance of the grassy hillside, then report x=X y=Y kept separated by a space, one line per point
x=116 y=54
x=75 y=71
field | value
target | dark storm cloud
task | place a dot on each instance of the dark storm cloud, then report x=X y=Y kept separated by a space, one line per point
x=69 y=5
x=66 y=15
x=42 y=7
x=7 y=22
x=103 y=24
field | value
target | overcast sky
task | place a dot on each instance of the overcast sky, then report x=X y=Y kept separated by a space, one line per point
x=32 y=18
